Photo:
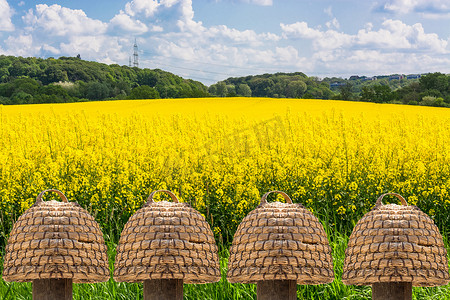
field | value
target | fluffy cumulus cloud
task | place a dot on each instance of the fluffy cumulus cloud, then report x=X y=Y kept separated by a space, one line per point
x=125 y=23
x=5 y=16
x=62 y=21
x=397 y=35
x=382 y=50
x=145 y=7
x=393 y=35
x=328 y=39
x=55 y=30
x=21 y=45
x=100 y=48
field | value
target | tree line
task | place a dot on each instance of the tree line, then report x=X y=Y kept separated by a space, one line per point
x=431 y=89
x=70 y=79
x=278 y=85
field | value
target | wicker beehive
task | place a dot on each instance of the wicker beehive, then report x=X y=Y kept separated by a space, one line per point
x=56 y=240
x=395 y=243
x=280 y=241
x=167 y=240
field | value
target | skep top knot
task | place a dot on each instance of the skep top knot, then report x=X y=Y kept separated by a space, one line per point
x=56 y=240
x=280 y=241
x=167 y=240
x=396 y=243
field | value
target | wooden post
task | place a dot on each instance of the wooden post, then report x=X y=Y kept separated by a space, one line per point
x=52 y=289
x=392 y=291
x=276 y=290
x=163 y=289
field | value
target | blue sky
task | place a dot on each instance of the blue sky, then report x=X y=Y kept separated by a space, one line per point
x=210 y=40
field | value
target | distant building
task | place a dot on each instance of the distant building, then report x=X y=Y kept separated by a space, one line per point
x=413 y=76
x=396 y=77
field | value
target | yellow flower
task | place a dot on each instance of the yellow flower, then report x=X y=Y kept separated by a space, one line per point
x=341 y=210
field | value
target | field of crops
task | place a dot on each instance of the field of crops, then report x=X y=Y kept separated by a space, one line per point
x=221 y=156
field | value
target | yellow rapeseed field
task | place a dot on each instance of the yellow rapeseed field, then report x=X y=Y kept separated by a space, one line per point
x=222 y=154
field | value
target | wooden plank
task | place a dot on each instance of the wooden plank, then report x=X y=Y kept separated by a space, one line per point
x=52 y=289
x=276 y=290
x=392 y=291
x=163 y=289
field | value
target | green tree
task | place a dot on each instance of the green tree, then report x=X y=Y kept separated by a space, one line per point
x=96 y=91
x=231 y=90
x=143 y=92
x=244 y=90
x=22 y=97
x=213 y=89
x=383 y=93
x=262 y=87
x=296 y=89
x=367 y=94
x=221 y=89
x=345 y=91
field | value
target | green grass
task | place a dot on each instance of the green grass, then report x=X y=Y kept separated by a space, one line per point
x=224 y=289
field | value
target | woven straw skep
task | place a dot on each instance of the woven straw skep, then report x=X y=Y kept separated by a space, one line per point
x=396 y=243
x=280 y=241
x=167 y=240
x=56 y=240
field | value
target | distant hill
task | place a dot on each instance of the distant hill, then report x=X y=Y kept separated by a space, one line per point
x=70 y=79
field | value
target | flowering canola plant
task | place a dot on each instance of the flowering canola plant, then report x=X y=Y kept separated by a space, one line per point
x=221 y=155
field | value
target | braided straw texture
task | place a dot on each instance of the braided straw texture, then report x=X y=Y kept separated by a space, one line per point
x=56 y=240
x=396 y=243
x=167 y=240
x=280 y=241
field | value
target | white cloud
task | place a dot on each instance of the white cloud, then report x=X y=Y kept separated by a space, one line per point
x=329 y=39
x=401 y=6
x=334 y=23
x=51 y=49
x=21 y=45
x=147 y=7
x=124 y=22
x=234 y=36
x=300 y=30
x=428 y=8
x=261 y=2
x=176 y=12
x=100 y=48
x=6 y=13
x=55 y=30
x=393 y=35
x=156 y=28
x=186 y=21
x=395 y=47
x=167 y=27
x=397 y=35
x=255 y=2
x=61 y=21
